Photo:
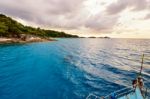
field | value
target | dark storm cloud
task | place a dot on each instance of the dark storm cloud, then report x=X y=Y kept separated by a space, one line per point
x=133 y=5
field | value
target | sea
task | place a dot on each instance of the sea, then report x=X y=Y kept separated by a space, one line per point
x=71 y=68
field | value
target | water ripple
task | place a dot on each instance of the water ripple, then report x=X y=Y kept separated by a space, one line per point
x=71 y=68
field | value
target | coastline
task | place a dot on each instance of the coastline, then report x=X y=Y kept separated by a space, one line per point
x=6 y=40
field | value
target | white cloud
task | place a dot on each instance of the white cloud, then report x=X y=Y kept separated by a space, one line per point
x=121 y=5
x=147 y=16
x=94 y=16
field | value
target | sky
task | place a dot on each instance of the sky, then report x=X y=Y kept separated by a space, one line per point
x=114 y=18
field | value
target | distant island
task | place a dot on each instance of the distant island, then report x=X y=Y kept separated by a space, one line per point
x=12 y=31
x=91 y=37
x=105 y=37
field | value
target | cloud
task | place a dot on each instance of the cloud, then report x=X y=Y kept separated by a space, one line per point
x=42 y=6
x=47 y=12
x=147 y=17
x=65 y=14
x=102 y=23
x=121 y=5
x=71 y=14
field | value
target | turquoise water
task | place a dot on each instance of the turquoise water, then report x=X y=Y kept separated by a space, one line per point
x=71 y=68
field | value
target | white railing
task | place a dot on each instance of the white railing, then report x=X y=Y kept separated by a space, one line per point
x=118 y=93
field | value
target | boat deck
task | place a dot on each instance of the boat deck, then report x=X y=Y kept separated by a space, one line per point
x=126 y=93
x=133 y=95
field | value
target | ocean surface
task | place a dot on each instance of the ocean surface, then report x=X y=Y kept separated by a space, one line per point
x=71 y=68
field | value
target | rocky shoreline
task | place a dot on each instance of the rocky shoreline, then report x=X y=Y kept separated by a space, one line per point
x=4 y=40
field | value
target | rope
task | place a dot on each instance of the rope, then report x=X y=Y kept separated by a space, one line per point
x=142 y=64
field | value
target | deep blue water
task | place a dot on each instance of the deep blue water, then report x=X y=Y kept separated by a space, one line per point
x=71 y=68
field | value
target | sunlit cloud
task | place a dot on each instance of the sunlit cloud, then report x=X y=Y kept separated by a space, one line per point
x=147 y=16
x=83 y=17
x=121 y=5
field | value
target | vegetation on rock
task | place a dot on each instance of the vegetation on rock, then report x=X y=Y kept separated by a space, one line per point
x=12 y=28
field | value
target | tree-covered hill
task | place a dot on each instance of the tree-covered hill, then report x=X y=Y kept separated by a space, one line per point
x=12 y=28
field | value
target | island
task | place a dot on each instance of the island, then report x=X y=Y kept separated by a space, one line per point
x=12 y=31
x=105 y=37
x=92 y=37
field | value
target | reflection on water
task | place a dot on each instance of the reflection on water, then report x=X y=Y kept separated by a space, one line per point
x=71 y=68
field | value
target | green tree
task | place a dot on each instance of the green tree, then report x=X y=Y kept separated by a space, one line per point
x=3 y=29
